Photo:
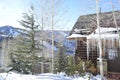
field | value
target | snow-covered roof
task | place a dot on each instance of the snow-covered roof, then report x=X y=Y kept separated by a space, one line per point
x=106 y=30
x=75 y=36
x=105 y=33
x=103 y=36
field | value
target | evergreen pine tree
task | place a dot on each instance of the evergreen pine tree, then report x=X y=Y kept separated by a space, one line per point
x=24 y=58
x=61 y=60
x=70 y=69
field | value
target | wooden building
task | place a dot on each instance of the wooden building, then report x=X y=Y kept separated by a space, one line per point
x=87 y=43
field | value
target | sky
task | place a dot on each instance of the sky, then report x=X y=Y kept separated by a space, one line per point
x=11 y=10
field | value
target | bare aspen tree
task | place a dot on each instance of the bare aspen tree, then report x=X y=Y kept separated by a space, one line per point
x=42 y=26
x=50 y=17
x=53 y=25
x=42 y=18
x=52 y=67
x=115 y=22
x=43 y=21
x=99 y=39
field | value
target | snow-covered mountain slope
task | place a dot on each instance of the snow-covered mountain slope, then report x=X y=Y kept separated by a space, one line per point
x=60 y=37
x=8 y=31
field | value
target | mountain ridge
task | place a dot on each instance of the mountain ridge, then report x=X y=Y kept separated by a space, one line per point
x=59 y=37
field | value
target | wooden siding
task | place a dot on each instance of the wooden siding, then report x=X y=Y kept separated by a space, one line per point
x=81 y=52
x=113 y=60
x=88 y=22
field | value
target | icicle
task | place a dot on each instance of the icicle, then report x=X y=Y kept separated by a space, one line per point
x=116 y=43
x=109 y=42
x=88 y=49
x=104 y=45
x=92 y=47
x=97 y=46
x=94 y=44
x=112 y=43
x=91 y=44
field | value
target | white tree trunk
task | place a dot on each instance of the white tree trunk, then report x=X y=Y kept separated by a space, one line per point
x=52 y=67
x=42 y=63
x=99 y=40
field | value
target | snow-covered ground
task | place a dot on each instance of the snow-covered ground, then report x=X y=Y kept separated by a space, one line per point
x=45 y=76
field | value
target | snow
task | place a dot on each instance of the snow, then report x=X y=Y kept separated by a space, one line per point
x=94 y=36
x=76 y=36
x=106 y=30
x=48 y=45
x=103 y=36
x=45 y=76
x=49 y=76
x=105 y=33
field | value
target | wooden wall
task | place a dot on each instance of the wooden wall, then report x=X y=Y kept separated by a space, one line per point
x=113 y=64
x=81 y=52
